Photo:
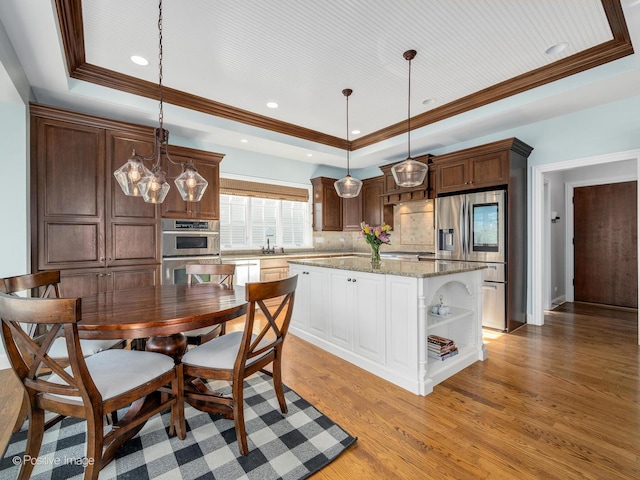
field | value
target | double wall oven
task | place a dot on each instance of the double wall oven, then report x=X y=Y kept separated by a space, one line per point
x=187 y=241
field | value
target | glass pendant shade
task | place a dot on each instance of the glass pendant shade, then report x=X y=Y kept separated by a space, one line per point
x=409 y=173
x=130 y=174
x=191 y=184
x=155 y=187
x=348 y=187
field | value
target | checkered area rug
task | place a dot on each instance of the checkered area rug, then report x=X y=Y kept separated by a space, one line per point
x=291 y=446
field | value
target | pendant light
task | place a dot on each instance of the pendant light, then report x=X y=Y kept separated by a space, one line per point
x=409 y=173
x=137 y=180
x=348 y=187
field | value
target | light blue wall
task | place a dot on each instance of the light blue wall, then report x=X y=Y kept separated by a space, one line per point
x=14 y=175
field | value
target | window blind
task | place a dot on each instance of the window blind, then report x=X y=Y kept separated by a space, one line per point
x=243 y=188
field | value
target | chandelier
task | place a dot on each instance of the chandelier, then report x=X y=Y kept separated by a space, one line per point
x=136 y=180
x=409 y=173
x=348 y=187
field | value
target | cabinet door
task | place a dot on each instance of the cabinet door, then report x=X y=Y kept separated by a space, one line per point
x=124 y=278
x=327 y=205
x=368 y=315
x=132 y=225
x=309 y=305
x=352 y=213
x=339 y=309
x=209 y=207
x=82 y=282
x=452 y=176
x=70 y=163
x=372 y=201
x=490 y=169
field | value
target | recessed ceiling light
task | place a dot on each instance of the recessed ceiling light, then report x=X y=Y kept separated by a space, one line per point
x=244 y=140
x=355 y=132
x=138 y=60
x=557 y=48
x=309 y=154
x=429 y=101
x=272 y=105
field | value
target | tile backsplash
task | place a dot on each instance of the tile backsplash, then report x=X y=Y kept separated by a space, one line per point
x=413 y=231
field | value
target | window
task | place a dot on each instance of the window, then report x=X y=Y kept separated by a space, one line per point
x=248 y=222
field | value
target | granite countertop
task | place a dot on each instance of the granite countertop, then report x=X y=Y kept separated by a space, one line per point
x=432 y=268
x=289 y=254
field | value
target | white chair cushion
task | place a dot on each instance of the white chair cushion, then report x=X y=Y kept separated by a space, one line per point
x=117 y=371
x=220 y=353
x=89 y=347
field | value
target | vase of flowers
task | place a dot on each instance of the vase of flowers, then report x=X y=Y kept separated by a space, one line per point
x=375 y=236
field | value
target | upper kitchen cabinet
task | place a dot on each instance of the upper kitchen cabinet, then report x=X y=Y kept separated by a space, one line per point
x=352 y=213
x=394 y=194
x=208 y=165
x=327 y=205
x=489 y=165
x=83 y=221
x=375 y=212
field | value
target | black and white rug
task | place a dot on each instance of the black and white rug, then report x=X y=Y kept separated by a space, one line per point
x=291 y=446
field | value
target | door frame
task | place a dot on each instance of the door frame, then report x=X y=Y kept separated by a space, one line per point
x=537 y=217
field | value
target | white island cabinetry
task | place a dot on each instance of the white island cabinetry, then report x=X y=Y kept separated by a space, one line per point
x=379 y=319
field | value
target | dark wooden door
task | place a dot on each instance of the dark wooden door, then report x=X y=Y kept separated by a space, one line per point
x=605 y=244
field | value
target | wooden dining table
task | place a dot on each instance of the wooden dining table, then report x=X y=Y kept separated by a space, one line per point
x=160 y=314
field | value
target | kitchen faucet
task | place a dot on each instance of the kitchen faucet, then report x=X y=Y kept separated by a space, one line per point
x=268 y=250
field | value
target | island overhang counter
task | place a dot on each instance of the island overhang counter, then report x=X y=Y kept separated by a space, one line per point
x=380 y=317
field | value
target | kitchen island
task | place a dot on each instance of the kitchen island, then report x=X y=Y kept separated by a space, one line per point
x=379 y=318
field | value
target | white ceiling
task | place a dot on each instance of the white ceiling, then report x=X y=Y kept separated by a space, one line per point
x=302 y=54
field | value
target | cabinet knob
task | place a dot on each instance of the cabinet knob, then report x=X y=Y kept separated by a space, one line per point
x=354 y=280
x=348 y=279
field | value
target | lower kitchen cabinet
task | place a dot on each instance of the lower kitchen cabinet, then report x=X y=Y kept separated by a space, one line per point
x=356 y=316
x=89 y=281
x=309 y=304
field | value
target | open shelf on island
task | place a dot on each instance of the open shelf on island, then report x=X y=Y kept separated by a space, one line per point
x=455 y=313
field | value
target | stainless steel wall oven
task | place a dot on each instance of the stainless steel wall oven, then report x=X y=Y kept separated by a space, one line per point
x=188 y=241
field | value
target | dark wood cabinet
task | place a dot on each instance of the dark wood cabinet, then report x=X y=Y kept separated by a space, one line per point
x=79 y=282
x=479 y=171
x=85 y=226
x=327 y=205
x=394 y=194
x=208 y=165
x=375 y=212
x=352 y=213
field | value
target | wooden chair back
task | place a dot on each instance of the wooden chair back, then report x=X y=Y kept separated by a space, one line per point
x=28 y=357
x=255 y=350
x=221 y=273
x=71 y=391
x=278 y=317
x=46 y=283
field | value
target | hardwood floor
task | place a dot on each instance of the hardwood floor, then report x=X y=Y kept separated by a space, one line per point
x=560 y=401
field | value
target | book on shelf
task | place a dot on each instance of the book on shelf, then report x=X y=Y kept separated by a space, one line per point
x=438 y=340
x=437 y=356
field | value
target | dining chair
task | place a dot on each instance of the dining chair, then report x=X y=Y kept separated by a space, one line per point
x=239 y=354
x=221 y=273
x=46 y=284
x=88 y=387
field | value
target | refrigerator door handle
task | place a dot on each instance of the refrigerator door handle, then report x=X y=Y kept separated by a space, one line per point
x=463 y=228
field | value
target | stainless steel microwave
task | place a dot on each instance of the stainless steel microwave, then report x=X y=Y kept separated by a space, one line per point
x=182 y=238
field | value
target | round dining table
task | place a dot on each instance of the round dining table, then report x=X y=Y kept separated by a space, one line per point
x=160 y=314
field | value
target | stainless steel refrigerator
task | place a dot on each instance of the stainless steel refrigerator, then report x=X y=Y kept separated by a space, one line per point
x=472 y=227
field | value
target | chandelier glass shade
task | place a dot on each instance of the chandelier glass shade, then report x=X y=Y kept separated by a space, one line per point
x=409 y=173
x=130 y=174
x=136 y=180
x=348 y=187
